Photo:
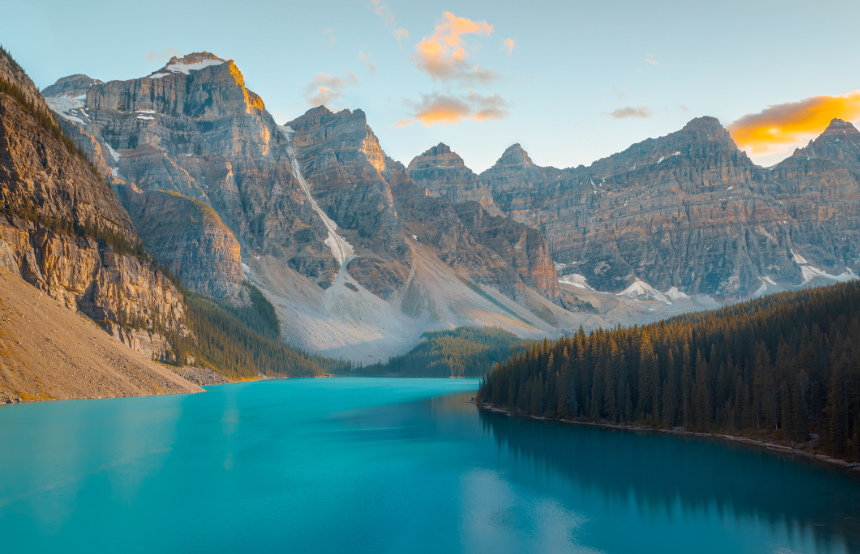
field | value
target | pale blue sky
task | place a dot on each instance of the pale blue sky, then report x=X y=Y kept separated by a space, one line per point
x=573 y=63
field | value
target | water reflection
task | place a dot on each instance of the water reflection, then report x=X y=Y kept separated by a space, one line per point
x=665 y=476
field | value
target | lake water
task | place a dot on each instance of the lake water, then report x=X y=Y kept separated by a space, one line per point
x=391 y=465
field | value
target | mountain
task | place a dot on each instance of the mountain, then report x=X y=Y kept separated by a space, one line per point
x=63 y=230
x=357 y=259
x=691 y=213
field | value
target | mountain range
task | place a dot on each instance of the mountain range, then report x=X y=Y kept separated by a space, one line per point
x=360 y=254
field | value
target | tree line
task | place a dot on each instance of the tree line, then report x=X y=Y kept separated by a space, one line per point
x=784 y=367
x=462 y=352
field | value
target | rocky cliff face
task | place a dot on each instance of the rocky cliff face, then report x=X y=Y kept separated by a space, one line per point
x=687 y=211
x=61 y=227
x=189 y=238
x=443 y=173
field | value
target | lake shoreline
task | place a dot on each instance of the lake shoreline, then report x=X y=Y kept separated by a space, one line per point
x=852 y=468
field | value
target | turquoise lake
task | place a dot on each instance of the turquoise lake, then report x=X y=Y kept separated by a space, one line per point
x=391 y=465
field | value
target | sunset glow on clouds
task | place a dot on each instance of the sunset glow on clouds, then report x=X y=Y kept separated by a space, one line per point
x=443 y=55
x=447 y=109
x=783 y=126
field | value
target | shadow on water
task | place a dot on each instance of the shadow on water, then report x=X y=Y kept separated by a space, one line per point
x=660 y=472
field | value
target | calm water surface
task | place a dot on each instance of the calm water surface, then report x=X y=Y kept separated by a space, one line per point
x=391 y=465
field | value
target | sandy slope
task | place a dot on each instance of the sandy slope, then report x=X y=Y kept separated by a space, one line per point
x=50 y=352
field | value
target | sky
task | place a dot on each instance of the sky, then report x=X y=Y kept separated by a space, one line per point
x=572 y=82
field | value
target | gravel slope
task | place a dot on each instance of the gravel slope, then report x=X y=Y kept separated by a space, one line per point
x=50 y=352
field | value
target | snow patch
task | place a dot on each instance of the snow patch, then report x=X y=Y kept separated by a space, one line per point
x=340 y=248
x=145 y=117
x=64 y=106
x=576 y=280
x=760 y=291
x=186 y=68
x=661 y=159
x=246 y=269
x=287 y=131
x=798 y=259
x=643 y=289
x=158 y=75
x=145 y=111
x=810 y=273
x=114 y=154
x=676 y=294
x=769 y=281
x=677 y=153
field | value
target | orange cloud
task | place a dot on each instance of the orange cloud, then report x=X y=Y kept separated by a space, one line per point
x=448 y=109
x=443 y=55
x=792 y=123
x=508 y=44
x=401 y=34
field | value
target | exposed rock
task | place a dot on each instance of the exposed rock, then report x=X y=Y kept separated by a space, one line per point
x=688 y=210
x=189 y=238
x=444 y=173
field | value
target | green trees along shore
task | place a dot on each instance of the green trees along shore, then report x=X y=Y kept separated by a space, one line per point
x=784 y=367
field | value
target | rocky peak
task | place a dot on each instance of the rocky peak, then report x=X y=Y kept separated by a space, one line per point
x=439 y=157
x=192 y=62
x=839 y=142
x=514 y=156
x=71 y=86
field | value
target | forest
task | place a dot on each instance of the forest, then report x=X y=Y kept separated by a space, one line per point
x=785 y=367
x=462 y=352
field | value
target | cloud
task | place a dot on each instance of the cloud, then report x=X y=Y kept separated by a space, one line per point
x=448 y=109
x=683 y=108
x=443 y=55
x=401 y=34
x=330 y=33
x=368 y=61
x=649 y=58
x=792 y=123
x=325 y=88
x=383 y=11
x=164 y=55
x=630 y=112
x=508 y=44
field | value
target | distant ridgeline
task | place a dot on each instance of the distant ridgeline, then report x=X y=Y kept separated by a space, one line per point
x=783 y=367
x=463 y=352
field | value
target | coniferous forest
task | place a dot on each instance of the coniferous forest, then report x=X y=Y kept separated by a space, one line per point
x=462 y=352
x=784 y=367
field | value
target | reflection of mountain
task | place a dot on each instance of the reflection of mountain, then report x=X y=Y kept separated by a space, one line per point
x=662 y=473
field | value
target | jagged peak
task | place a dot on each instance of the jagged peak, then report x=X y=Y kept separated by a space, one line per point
x=440 y=156
x=514 y=155
x=188 y=63
x=840 y=127
x=705 y=122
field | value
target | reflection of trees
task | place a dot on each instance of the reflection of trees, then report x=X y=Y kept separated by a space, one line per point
x=665 y=472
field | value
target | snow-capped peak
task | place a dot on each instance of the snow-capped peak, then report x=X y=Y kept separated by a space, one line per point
x=187 y=64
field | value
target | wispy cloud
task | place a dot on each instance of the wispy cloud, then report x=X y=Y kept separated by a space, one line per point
x=164 y=55
x=649 y=59
x=326 y=88
x=444 y=55
x=509 y=44
x=367 y=59
x=330 y=34
x=400 y=34
x=383 y=11
x=792 y=123
x=630 y=112
x=446 y=109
